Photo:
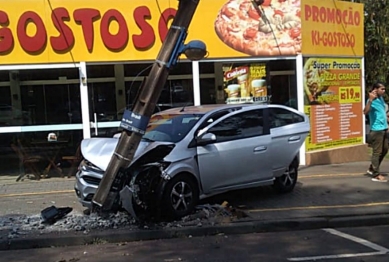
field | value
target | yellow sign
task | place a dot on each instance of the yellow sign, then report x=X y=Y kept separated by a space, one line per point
x=333 y=102
x=57 y=31
x=332 y=28
x=63 y=31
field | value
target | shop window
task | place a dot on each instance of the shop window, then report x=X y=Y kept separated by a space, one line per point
x=284 y=90
x=36 y=144
x=207 y=91
x=51 y=104
x=175 y=93
x=48 y=74
x=102 y=101
x=5 y=95
x=206 y=68
x=182 y=68
x=99 y=71
x=4 y=76
x=137 y=69
x=282 y=65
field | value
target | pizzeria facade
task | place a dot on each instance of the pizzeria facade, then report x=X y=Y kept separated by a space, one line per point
x=70 y=68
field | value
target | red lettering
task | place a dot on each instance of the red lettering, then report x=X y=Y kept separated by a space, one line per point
x=86 y=17
x=31 y=44
x=65 y=40
x=331 y=15
x=147 y=38
x=6 y=37
x=114 y=42
x=315 y=14
x=166 y=16
x=323 y=14
x=338 y=16
x=308 y=12
x=357 y=18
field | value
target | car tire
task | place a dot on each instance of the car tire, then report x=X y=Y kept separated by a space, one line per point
x=180 y=197
x=288 y=180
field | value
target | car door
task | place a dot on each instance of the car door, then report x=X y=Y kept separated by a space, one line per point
x=239 y=155
x=289 y=129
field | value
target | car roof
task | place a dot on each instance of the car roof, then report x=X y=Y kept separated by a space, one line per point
x=203 y=109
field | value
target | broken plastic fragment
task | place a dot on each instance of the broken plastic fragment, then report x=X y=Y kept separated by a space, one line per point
x=50 y=215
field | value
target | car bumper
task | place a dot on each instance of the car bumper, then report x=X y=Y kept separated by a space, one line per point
x=86 y=186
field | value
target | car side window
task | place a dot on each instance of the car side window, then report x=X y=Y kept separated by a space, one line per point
x=281 y=117
x=243 y=125
x=212 y=118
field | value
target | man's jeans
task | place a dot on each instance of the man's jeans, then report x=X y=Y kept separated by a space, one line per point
x=379 y=144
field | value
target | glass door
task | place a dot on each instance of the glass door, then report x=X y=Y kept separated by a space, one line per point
x=104 y=116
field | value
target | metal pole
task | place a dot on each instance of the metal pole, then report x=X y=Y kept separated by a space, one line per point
x=144 y=105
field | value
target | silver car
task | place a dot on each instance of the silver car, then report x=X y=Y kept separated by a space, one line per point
x=195 y=152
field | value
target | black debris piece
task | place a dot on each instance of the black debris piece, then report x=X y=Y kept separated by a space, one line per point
x=52 y=214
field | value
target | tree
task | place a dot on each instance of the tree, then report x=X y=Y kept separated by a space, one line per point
x=376 y=40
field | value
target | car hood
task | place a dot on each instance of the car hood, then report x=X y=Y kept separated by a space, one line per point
x=99 y=151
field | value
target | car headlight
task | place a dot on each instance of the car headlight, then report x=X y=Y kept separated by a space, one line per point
x=85 y=165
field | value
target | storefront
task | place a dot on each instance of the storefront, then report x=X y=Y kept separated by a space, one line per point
x=72 y=69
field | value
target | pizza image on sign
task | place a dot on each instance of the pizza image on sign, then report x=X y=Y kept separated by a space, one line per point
x=270 y=29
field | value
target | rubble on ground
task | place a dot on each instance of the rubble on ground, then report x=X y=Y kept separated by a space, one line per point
x=205 y=215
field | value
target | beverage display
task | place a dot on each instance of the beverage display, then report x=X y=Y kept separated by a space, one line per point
x=245 y=84
x=258 y=87
x=233 y=90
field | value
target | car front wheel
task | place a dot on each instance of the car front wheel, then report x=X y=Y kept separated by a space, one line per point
x=287 y=181
x=180 y=196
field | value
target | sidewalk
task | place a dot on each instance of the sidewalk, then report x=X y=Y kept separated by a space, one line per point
x=325 y=196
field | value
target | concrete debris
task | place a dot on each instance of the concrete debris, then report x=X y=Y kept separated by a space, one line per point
x=14 y=226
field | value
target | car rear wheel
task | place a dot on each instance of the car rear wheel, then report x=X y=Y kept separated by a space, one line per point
x=180 y=196
x=287 y=181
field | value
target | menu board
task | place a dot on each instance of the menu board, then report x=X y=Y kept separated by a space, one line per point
x=333 y=101
x=245 y=83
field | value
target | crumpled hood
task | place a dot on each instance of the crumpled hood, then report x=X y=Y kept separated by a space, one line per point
x=100 y=150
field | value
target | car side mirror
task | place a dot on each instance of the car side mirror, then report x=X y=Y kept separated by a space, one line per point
x=206 y=139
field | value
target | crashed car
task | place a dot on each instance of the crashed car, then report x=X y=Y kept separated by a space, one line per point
x=191 y=153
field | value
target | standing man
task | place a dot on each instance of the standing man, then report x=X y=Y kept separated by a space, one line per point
x=375 y=108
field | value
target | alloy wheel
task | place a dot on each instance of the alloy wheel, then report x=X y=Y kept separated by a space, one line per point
x=181 y=196
x=288 y=178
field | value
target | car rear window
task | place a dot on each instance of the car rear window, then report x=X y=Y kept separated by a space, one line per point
x=281 y=117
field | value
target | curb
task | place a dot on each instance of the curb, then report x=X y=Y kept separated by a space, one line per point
x=123 y=235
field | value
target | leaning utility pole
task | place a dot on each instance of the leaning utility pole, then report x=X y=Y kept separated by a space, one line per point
x=143 y=108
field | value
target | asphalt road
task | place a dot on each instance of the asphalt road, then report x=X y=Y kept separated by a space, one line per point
x=346 y=245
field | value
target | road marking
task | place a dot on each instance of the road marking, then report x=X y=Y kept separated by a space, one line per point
x=335 y=256
x=329 y=175
x=317 y=207
x=38 y=193
x=71 y=191
x=356 y=239
x=380 y=250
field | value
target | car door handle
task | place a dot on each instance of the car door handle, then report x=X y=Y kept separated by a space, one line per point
x=260 y=148
x=294 y=138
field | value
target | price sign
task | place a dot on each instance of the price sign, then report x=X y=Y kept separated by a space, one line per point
x=350 y=94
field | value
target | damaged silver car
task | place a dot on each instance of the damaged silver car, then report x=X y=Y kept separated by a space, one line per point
x=195 y=152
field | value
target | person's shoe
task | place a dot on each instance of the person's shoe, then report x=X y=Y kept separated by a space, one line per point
x=370 y=171
x=379 y=178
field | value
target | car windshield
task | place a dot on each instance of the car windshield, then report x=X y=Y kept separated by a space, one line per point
x=170 y=127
